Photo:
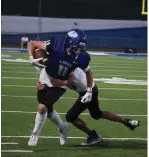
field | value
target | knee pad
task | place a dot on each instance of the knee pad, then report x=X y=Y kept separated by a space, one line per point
x=70 y=117
x=96 y=115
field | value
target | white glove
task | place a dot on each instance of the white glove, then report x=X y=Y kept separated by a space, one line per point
x=38 y=68
x=87 y=97
x=36 y=61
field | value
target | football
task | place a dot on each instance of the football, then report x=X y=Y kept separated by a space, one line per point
x=38 y=53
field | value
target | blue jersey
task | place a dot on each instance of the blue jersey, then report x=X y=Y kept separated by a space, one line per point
x=60 y=64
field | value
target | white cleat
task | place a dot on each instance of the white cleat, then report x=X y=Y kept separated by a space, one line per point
x=132 y=124
x=63 y=134
x=33 y=140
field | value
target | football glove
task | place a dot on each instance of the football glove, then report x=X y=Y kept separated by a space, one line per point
x=87 y=97
x=36 y=61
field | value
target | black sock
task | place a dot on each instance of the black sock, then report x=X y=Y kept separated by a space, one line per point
x=93 y=133
x=126 y=121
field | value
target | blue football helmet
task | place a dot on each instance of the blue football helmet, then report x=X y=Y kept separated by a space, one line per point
x=76 y=39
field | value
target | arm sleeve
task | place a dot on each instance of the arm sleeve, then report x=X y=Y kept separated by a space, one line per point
x=84 y=61
x=50 y=44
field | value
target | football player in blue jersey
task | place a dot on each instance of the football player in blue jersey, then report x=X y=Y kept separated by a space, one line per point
x=64 y=56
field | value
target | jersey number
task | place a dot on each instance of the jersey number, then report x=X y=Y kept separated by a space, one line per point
x=63 y=70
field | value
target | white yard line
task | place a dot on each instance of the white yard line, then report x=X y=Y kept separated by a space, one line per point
x=22 y=72
x=55 y=137
x=93 y=66
x=16 y=151
x=22 y=86
x=72 y=98
x=125 y=76
x=93 y=70
x=8 y=143
x=96 y=61
x=115 y=64
x=93 y=62
x=27 y=72
x=119 y=67
x=16 y=63
x=132 y=71
x=31 y=78
x=18 y=67
x=21 y=78
x=85 y=114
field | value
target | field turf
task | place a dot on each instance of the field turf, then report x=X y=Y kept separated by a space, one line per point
x=19 y=107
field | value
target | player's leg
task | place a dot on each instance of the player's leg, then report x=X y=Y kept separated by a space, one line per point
x=74 y=112
x=55 y=118
x=53 y=94
x=96 y=113
x=44 y=95
x=72 y=116
x=40 y=119
x=131 y=124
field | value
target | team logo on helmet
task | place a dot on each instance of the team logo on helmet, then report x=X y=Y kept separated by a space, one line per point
x=72 y=34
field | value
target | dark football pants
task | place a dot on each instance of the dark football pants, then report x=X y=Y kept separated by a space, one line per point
x=49 y=95
x=79 y=107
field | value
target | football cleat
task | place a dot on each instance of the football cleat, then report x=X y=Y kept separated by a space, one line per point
x=63 y=134
x=33 y=140
x=92 y=139
x=132 y=124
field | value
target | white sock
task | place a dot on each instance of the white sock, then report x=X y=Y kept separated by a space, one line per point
x=39 y=121
x=56 y=119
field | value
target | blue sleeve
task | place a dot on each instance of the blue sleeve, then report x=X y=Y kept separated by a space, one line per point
x=54 y=44
x=84 y=60
x=50 y=44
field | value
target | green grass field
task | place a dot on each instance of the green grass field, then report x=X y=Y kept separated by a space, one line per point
x=19 y=94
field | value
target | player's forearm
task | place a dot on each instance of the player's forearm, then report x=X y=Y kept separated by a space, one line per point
x=58 y=82
x=89 y=76
x=30 y=48
x=32 y=45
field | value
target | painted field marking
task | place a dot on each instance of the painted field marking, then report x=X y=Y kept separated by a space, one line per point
x=55 y=137
x=31 y=78
x=19 y=67
x=16 y=151
x=101 y=75
x=85 y=114
x=96 y=61
x=22 y=86
x=92 y=64
x=27 y=72
x=119 y=67
x=16 y=63
x=115 y=64
x=124 y=70
x=22 y=72
x=71 y=98
x=8 y=143
x=21 y=78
